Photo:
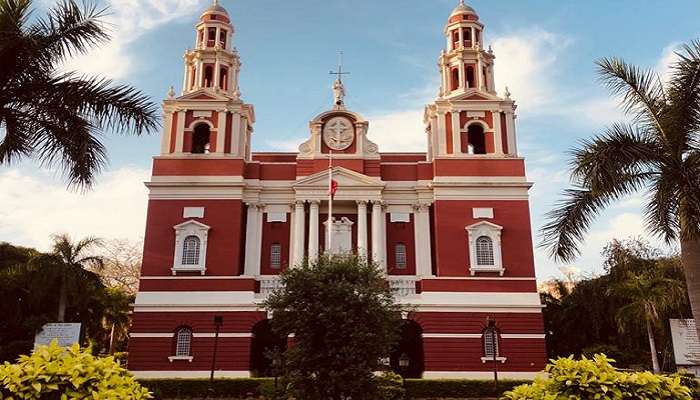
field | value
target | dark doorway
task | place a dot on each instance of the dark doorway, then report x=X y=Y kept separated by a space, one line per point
x=411 y=344
x=264 y=344
x=476 y=139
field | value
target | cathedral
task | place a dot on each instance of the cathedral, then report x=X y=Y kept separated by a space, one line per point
x=449 y=227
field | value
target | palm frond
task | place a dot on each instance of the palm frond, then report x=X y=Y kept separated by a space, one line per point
x=643 y=95
x=684 y=97
x=661 y=210
x=602 y=162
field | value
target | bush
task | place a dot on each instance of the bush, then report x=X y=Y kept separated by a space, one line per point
x=390 y=386
x=596 y=378
x=188 y=388
x=55 y=372
x=457 y=388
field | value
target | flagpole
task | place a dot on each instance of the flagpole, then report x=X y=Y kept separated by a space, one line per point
x=329 y=231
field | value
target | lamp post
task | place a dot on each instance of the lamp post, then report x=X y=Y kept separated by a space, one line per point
x=493 y=334
x=404 y=362
x=218 y=321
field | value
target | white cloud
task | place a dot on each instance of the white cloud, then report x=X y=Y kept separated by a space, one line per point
x=129 y=19
x=667 y=59
x=398 y=131
x=36 y=206
x=291 y=145
x=525 y=64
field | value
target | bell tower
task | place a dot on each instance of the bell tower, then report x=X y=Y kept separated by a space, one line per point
x=209 y=118
x=469 y=119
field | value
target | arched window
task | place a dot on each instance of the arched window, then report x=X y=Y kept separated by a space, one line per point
x=476 y=138
x=276 y=256
x=454 y=79
x=190 y=250
x=400 y=255
x=208 y=76
x=455 y=39
x=223 y=75
x=484 y=251
x=490 y=343
x=467 y=35
x=183 y=342
x=211 y=37
x=200 y=139
x=470 y=77
x=222 y=38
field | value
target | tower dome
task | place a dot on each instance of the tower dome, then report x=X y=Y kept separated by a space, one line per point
x=463 y=12
x=213 y=10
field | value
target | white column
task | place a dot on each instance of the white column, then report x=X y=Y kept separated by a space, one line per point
x=422 y=239
x=313 y=229
x=185 y=77
x=382 y=228
x=441 y=133
x=299 y=218
x=362 y=228
x=377 y=234
x=497 y=133
x=217 y=67
x=235 y=131
x=200 y=75
x=252 y=244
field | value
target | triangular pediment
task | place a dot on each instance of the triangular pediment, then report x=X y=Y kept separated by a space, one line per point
x=473 y=94
x=191 y=224
x=346 y=179
x=203 y=94
x=484 y=225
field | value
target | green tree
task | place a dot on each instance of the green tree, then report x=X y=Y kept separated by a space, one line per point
x=647 y=297
x=343 y=318
x=71 y=263
x=658 y=151
x=58 y=117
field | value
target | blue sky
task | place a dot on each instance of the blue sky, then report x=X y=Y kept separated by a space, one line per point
x=544 y=53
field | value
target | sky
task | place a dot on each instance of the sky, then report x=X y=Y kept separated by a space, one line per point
x=545 y=52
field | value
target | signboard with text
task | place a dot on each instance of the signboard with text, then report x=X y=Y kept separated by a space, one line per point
x=66 y=333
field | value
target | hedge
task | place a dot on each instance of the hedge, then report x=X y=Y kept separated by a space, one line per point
x=232 y=388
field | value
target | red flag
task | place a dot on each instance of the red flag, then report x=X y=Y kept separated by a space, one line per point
x=333 y=188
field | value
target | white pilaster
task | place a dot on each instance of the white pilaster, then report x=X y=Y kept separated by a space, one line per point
x=421 y=218
x=252 y=245
x=200 y=75
x=377 y=223
x=217 y=68
x=497 y=134
x=510 y=126
x=456 y=133
x=221 y=132
x=299 y=219
x=362 y=228
x=313 y=229
x=167 y=128
x=235 y=130
x=441 y=132
x=185 y=77
x=180 y=131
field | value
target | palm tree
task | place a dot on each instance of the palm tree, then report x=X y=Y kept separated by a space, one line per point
x=647 y=297
x=59 y=117
x=72 y=262
x=658 y=151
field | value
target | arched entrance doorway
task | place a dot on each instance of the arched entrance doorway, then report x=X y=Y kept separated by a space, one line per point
x=410 y=344
x=263 y=345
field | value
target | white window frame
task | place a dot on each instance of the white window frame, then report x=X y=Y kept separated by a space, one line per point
x=182 y=231
x=492 y=231
x=279 y=256
x=489 y=357
x=405 y=256
x=179 y=354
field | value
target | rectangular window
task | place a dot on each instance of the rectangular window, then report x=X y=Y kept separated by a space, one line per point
x=276 y=256
x=400 y=255
x=276 y=217
x=399 y=217
x=489 y=340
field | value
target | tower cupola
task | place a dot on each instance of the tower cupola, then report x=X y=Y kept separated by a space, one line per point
x=214 y=63
x=464 y=63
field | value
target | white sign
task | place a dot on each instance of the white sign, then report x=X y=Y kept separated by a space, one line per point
x=686 y=347
x=66 y=334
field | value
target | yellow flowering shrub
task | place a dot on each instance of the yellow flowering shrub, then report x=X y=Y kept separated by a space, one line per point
x=55 y=372
x=596 y=378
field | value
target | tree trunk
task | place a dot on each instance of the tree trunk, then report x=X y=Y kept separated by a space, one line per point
x=690 y=257
x=62 y=295
x=111 y=339
x=652 y=348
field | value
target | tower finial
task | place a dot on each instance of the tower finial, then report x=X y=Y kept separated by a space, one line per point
x=338 y=88
x=461 y=2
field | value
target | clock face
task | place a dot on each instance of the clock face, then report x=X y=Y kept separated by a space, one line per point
x=338 y=133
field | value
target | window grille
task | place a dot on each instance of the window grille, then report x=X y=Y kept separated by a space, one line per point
x=400 y=255
x=276 y=255
x=488 y=344
x=183 y=342
x=190 y=250
x=484 y=251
